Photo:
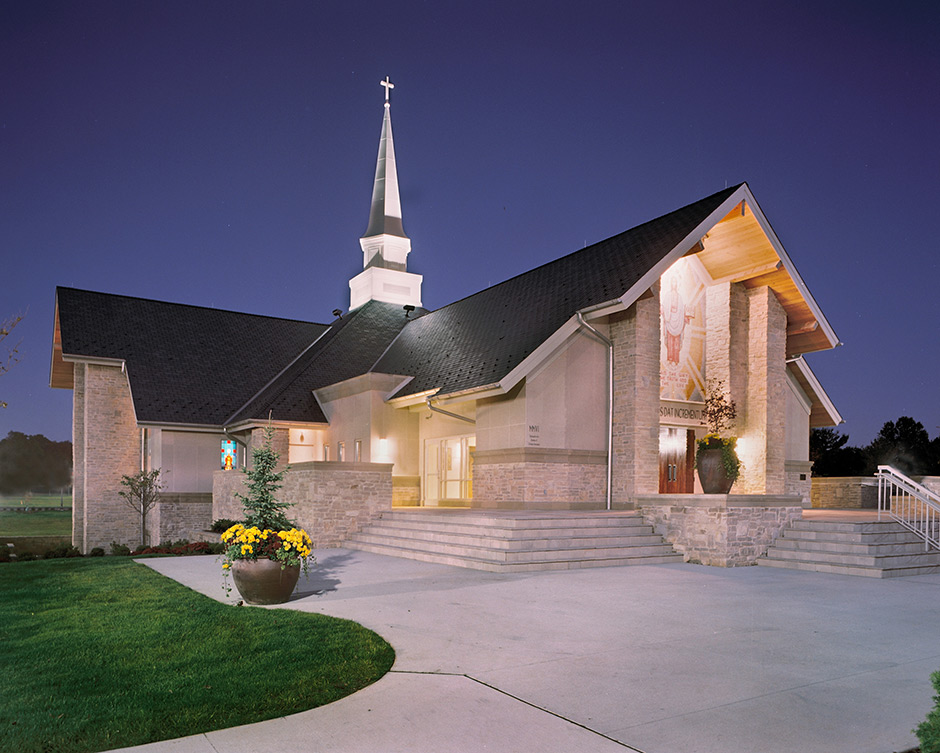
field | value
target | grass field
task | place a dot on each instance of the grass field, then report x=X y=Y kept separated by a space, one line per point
x=36 y=500
x=105 y=653
x=44 y=523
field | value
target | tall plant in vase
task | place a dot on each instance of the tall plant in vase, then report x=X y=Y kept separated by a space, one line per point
x=266 y=553
x=716 y=457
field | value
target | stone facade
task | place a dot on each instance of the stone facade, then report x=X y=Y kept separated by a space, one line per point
x=635 y=450
x=181 y=516
x=722 y=530
x=800 y=480
x=108 y=443
x=78 y=457
x=540 y=479
x=406 y=491
x=750 y=327
x=280 y=443
x=764 y=448
x=331 y=500
x=845 y=492
x=726 y=338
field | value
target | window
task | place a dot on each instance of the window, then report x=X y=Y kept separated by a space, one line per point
x=357 y=451
x=341 y=451
x=326 y=452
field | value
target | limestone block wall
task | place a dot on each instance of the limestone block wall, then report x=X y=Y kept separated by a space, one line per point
x=178 y=515
x=331 y=500
x=722 y=530
x=763 y=451
x=78 y=456
x=280 y=443
x=931 y=482
x=110 y=448
x=726 y=343
x=539 y=479
x=635 y=449
x=406 y=491
x=844 y=492
x=799 y=480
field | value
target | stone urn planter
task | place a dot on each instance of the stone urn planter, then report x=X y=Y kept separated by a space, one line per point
x=264 y=581
x=711 y=471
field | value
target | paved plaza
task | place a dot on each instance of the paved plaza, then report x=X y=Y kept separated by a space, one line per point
x=671 y=658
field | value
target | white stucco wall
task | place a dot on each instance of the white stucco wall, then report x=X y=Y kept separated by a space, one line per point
x=356 y=410
x=797 y=417
x=562 y=405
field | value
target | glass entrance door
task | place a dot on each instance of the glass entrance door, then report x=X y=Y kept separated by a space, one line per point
x=448 y=470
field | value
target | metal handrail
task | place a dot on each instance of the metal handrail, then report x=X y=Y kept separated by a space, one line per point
x=906 y=502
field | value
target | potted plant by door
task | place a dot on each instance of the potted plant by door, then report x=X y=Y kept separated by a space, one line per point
x=716 y=459
x=266 y=553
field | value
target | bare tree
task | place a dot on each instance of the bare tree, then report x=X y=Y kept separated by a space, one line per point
x=141 y=495
x=6 y=327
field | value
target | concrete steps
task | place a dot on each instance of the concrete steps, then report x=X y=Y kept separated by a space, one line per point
x=870 y=549
x=515 y=541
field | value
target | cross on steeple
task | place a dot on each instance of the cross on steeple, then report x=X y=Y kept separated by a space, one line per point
x=388 y=86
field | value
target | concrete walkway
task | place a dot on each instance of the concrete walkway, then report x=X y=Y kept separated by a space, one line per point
x=661 y=659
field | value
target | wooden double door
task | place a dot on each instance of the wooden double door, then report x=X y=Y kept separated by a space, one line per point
x=676 y=460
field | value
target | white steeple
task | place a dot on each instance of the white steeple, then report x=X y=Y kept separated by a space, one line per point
x=385 y=247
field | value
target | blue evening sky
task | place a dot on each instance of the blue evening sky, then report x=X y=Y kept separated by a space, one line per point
x=222 y=154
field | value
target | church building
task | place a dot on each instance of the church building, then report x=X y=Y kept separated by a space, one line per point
x=576 y=386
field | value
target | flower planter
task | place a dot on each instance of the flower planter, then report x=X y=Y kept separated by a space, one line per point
x=263 y=581
x=711 y=472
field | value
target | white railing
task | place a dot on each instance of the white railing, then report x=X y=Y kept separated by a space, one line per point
x=906 y=502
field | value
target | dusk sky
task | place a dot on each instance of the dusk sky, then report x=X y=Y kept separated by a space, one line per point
x=222 y=154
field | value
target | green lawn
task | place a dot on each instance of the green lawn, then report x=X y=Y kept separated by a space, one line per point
x=36 y=500
x=102 y=653
x=44 y=523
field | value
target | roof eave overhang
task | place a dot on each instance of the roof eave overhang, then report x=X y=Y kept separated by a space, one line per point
x=258 y=423
x=815 y=391
x=637 y=291
x=788 y=265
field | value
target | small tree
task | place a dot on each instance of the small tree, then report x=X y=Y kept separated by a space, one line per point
x=720 y=410
x=6 y=327
x=140 y=495
x=261 y=507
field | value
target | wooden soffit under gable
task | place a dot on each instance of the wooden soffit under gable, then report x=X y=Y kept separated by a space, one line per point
x=738 y=249
x=61 y=372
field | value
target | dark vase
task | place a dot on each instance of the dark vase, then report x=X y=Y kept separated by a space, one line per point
x=711 y=472
x=263 y=581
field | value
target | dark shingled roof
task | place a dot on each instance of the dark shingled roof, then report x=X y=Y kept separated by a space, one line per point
x=186 y=364
x=195 y=365
x=478 y=340
x=350 y=349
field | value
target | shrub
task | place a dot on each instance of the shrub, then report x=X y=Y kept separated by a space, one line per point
x=120 y=550
x=222 y=525
x=26 y=557
x=182 y=547
x=929 y=731
x=5 y=554
x=65 y=550
x=96 y=552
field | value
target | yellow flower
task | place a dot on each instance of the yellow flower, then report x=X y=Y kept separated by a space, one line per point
x=226 y=566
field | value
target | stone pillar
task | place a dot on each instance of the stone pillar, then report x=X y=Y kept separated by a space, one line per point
x=726 y=343
x=280 y=443
x=111 y=448
x=635 y=450
x=78 y=456
x=763 y=441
